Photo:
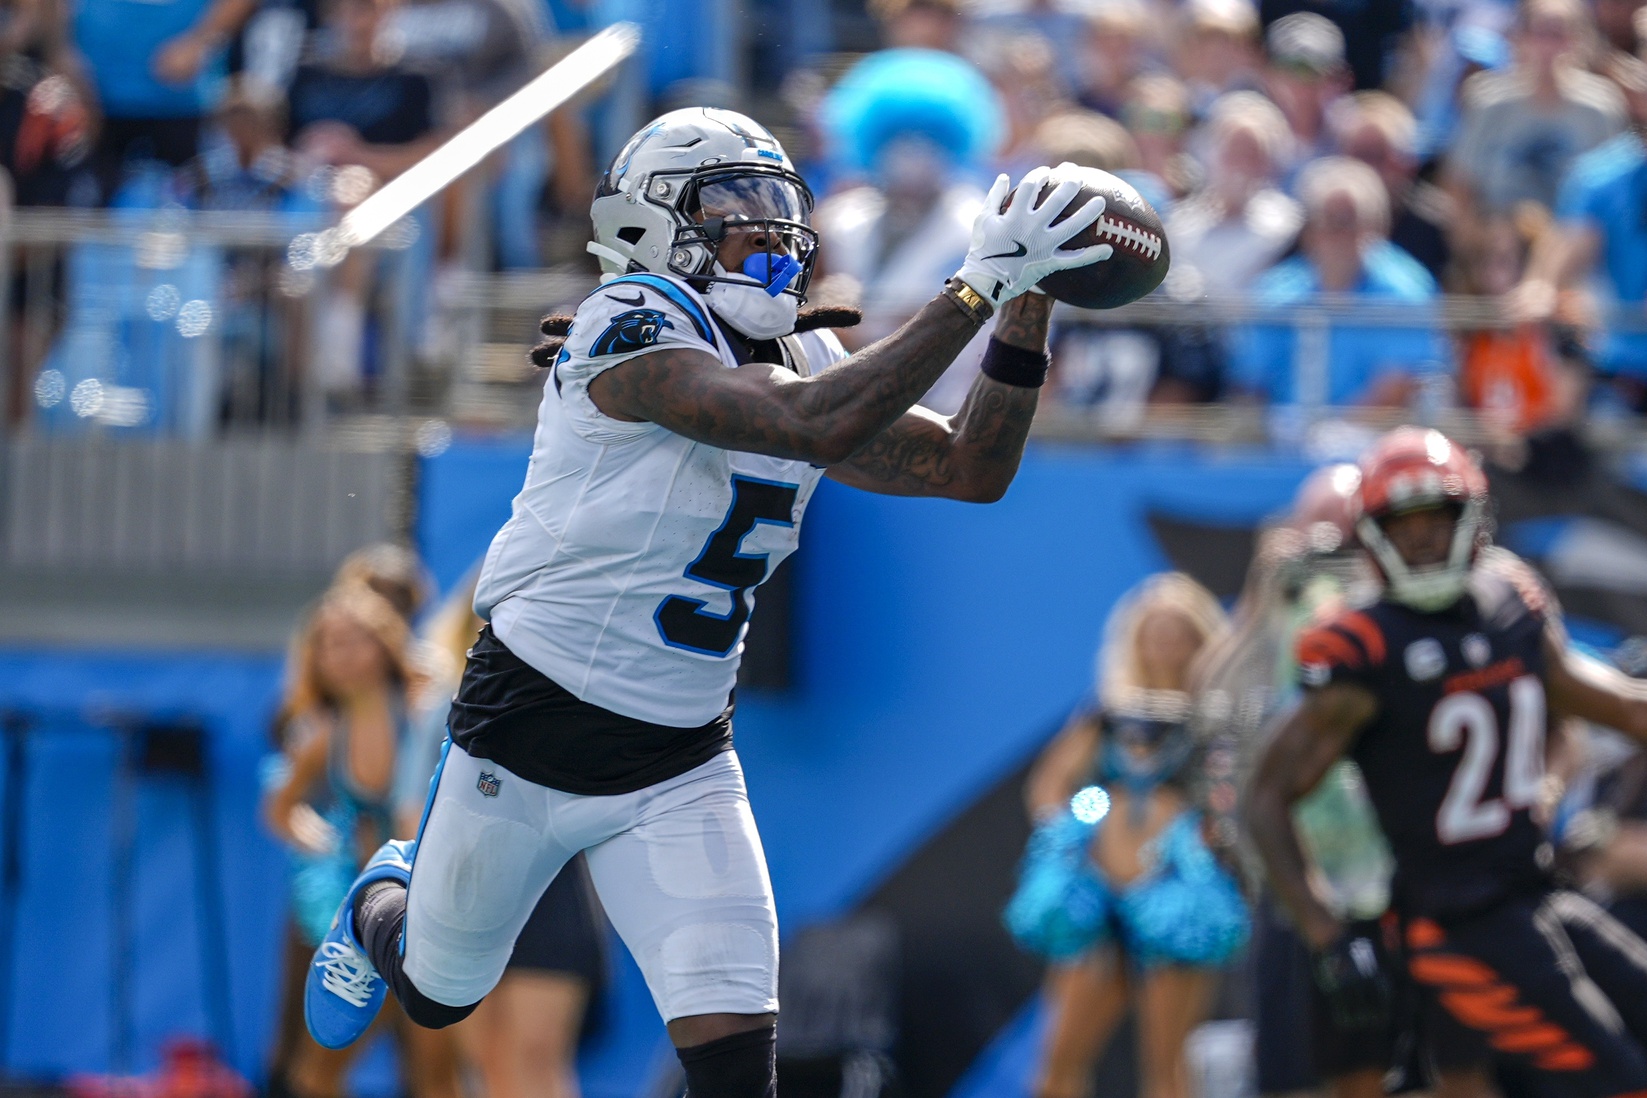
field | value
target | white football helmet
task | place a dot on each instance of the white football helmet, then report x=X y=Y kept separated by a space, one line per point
x=688 y=178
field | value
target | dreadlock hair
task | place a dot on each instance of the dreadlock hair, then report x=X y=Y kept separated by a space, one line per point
x=557 y=326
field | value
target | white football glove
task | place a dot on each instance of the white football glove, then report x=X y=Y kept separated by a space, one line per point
x=1014 y=249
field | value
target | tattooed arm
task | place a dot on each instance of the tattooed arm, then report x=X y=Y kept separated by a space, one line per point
x=765 y=409
x=972 y=455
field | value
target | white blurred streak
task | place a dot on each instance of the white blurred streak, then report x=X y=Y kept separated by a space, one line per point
x=560 y=82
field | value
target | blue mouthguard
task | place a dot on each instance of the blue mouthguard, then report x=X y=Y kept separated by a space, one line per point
x=773 y=271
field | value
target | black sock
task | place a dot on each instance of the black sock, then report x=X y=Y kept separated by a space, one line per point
x=744 y=1065
x=380 y=912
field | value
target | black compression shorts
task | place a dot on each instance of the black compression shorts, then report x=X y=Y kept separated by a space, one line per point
x=567 y=931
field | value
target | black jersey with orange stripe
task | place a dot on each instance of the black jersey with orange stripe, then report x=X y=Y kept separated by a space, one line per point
x=1454 y=757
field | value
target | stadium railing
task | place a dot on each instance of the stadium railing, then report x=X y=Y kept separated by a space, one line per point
x=179 y=323
x=494 y=319
x=168 y=418
x=172 y=467
x=199 y=326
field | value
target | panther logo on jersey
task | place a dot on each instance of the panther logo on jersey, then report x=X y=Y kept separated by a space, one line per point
x=629 y=332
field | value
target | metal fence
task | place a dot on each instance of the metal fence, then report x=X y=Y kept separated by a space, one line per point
x=183 y=324
x=493 y=319
x=248 y=505
x=204 y=412
x=197 y=326
x=175 y=464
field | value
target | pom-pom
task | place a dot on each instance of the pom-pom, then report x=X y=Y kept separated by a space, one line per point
x=1062 y=906
x=1190 y=910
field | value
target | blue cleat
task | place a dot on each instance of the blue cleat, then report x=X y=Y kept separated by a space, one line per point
x=344 y=992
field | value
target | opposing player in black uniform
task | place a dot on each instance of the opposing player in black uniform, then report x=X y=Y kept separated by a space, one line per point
x=1442 y=691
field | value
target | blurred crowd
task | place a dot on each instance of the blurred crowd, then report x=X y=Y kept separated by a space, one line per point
x=269 y=105
x=1326 y=172
x=295 y=110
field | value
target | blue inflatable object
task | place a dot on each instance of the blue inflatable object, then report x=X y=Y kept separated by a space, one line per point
x=921 y=93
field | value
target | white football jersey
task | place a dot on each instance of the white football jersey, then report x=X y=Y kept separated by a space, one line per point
x=627 y=570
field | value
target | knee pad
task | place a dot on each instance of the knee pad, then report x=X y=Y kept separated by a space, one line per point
x=1189 y=910
x=424 y=1010
x=1062 y=905
x=744 y=1065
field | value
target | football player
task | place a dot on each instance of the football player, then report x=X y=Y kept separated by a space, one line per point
x=1442 y=692
x=1306 y=565
x=1306 y=568
x=684 y=426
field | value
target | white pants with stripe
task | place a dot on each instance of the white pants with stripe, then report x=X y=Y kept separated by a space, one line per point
x=678 y=867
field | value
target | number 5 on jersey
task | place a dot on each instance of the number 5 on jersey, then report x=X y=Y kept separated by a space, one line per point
x=1468 y=719
x=682 y=621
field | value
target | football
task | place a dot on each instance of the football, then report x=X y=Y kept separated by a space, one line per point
x=1132 y=227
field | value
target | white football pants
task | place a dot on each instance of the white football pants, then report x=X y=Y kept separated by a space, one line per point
x=678 y=866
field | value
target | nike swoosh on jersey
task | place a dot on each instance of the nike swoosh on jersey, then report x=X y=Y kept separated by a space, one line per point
x=640 y=299
x=1010 y=255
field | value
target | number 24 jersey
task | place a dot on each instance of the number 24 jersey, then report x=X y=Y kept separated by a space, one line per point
x=626 y=572
x=1454 y=758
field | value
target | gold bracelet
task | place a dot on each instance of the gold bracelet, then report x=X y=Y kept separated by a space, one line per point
x=968 y=300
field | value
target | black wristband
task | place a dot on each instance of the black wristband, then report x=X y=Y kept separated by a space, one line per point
x=1015 y=366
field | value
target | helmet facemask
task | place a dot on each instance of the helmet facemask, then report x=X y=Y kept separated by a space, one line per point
x=1429 y=588
x=702 y=187
x=769 y=205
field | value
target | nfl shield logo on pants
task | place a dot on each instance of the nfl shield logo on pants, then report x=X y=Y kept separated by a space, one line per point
x=488 y=784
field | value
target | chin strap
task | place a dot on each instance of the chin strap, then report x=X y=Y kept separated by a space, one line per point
x=611 y=255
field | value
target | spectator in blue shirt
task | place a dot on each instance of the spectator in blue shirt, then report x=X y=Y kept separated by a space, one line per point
x=151 y=64
x=248 y=166
x=210 y=336
x=1345 y=257
x=1601 y=230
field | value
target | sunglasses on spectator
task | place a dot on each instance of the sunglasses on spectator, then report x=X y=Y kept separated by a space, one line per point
x=1153 y=120
x=1550 y=30
x=1300 y=68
